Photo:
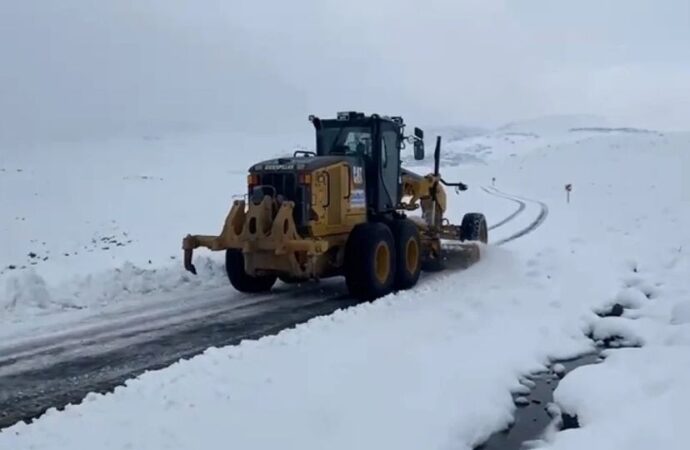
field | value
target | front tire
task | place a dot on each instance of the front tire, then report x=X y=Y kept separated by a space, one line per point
x=240 y=280
x=370 y=261
x=474 y=228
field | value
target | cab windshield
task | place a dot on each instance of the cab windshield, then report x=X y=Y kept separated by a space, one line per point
x=345 y=140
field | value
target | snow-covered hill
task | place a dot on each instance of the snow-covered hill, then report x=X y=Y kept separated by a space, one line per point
x=554 y=124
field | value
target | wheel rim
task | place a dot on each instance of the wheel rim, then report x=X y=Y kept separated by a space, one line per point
x=382 y=264
x=411 y=255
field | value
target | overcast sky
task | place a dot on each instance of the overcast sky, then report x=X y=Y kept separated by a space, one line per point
x=73 y=67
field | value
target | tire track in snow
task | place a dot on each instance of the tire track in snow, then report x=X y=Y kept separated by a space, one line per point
x=521 y=207
x=541 y=217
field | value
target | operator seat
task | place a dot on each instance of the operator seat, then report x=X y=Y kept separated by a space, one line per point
x=361 y=149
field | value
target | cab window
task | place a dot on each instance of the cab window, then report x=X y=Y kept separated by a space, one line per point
x=389 y=145
x=384 y=152
x=347 y=140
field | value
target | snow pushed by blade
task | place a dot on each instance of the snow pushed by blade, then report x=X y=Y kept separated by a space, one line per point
x=29 y=292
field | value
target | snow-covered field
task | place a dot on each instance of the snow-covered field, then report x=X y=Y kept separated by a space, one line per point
x=430 y=368
x=90 y=224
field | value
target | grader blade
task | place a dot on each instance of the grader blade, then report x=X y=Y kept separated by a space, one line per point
x=460 y=255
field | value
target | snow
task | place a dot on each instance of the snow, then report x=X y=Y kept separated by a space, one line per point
x=555 y=124
x=558 y=369
x=522 y=401
x=680 y=313
x=512 y=141
x=631 y=298
x=529 y=384
x=434 y=367
x=66 y=247
x=399 y=371
x=553 y=410
x=636 y=399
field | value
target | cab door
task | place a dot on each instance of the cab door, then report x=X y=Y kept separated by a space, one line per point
x=388 y=166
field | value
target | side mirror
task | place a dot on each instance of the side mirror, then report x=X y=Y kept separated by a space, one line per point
x=418 y=144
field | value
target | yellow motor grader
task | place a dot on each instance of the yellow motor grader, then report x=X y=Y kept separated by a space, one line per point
x=343 y=210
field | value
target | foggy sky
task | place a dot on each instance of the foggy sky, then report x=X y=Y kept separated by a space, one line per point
x=71 y=68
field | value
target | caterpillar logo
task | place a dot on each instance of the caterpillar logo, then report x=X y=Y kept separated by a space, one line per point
x=279 y=167
x=357 y=175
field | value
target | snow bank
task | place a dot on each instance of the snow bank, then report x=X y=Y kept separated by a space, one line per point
x=27 y=290
x=636 y=399
x=28 y=294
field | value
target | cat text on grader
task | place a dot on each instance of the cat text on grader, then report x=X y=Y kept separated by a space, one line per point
x=344 y=210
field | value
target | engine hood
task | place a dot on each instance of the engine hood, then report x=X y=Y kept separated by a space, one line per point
x=301 y=163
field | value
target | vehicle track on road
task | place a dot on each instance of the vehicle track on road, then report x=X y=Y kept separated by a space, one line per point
x=536 y=223
x=521 y=207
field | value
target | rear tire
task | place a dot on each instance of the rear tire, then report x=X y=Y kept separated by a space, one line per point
x=370 y=261
x=408 y=254
x=473 y=228
x=240 y=280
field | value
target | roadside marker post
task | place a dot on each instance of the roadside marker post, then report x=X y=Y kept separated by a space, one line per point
x=568 y=189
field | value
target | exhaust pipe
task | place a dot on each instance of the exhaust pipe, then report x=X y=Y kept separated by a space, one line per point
x=437 y=164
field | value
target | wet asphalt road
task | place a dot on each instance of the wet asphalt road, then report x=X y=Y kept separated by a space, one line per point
x=28 y=393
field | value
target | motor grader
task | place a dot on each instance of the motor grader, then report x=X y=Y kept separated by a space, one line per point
x=346 y=209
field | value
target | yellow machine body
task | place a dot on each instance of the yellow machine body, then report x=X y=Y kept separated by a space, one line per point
x=301 y=213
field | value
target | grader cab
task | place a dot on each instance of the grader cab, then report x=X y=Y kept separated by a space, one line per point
x=343 y=210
